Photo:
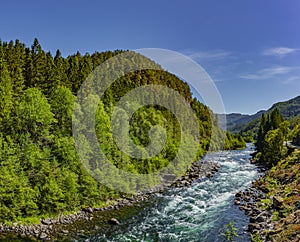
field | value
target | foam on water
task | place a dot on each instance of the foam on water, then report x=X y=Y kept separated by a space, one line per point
x=198 y=213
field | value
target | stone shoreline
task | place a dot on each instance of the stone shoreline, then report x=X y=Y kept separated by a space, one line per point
x=249 y=201
x=260 y=219
x=50 y=229
x=262 y=222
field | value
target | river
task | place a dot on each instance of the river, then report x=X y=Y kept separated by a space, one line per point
x=197 y=213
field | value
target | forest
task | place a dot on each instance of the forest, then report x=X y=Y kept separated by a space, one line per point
x=41 y=172
x=273 y=136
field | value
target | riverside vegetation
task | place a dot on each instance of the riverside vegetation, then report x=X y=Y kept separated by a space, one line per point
x=41 y=174
x=273 y=202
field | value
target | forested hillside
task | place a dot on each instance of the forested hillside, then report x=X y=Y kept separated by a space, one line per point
x=41 y=174
x=280 y=184
x=248 y=125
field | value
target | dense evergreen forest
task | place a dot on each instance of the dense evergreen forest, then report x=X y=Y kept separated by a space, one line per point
x=273 y=136
x=41 y=174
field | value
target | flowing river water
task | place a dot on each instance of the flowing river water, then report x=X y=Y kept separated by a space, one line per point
x=197 y=213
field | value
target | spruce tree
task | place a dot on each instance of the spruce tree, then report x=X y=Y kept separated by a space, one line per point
x=275 y=119
x=261 y=134
x=6 y=94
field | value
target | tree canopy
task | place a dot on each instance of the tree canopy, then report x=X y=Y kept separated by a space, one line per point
x=272 y=136
x=41 y=173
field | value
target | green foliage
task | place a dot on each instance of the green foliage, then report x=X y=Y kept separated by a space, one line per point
x=6 y=94
x=230 y=232
x=249 y=124
x=274 y=149
x=261 y=134
x=34 y=114
x=234 y=142
x=281 y=183
x=275 y=216
x=272 y=135
x=256 y=238
x=296 y=135
x=225 y=140
x=41 y=174
x=62 y=102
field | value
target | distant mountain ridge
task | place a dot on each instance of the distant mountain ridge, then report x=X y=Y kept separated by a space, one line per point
x=237 y=122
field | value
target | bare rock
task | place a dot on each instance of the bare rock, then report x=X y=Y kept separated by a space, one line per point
x=46 y=221
x=253 y=226
x=277 y=202
x=113 y=221
x=43 y=235
x=87 y=210
x=261 y=218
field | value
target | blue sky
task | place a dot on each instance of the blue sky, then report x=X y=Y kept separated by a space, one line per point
x=250 y=48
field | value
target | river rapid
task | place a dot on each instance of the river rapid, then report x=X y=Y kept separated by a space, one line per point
x=196 y=213
x=199 y=212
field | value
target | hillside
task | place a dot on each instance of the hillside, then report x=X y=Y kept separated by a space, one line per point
x=240 y=123
x=42 y=172
x=274 y=207
x=282 y=202
x=235 y=121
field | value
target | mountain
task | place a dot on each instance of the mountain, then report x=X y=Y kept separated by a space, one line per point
x=247 y=124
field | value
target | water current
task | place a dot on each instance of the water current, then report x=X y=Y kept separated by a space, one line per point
x=196 y=213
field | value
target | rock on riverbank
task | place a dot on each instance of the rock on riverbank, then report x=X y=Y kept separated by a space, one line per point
x=260 y=219
x=57 y=228
x=273 y=202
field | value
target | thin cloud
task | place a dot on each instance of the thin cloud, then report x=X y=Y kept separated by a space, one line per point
x=268 y=73
x=291 y=79
x=279 y=51
x=207 y=55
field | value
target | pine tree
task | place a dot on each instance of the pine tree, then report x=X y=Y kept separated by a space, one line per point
x=296 y=135
x=72 y=73
x=272 y=133
x=60 y=70
x=261 y=134
x=275 y=119
x=6 y=94
x=37 y=66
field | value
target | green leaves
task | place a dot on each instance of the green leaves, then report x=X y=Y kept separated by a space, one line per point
x=62 y=103
x=41 y=174
x=296 y=135
x=34 y=112
x=272 y=134
x=230 y=232
x=6 y=94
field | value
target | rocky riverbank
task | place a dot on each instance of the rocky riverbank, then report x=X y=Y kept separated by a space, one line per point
x=273 y=203
x=260 y=219
x=51 y=229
